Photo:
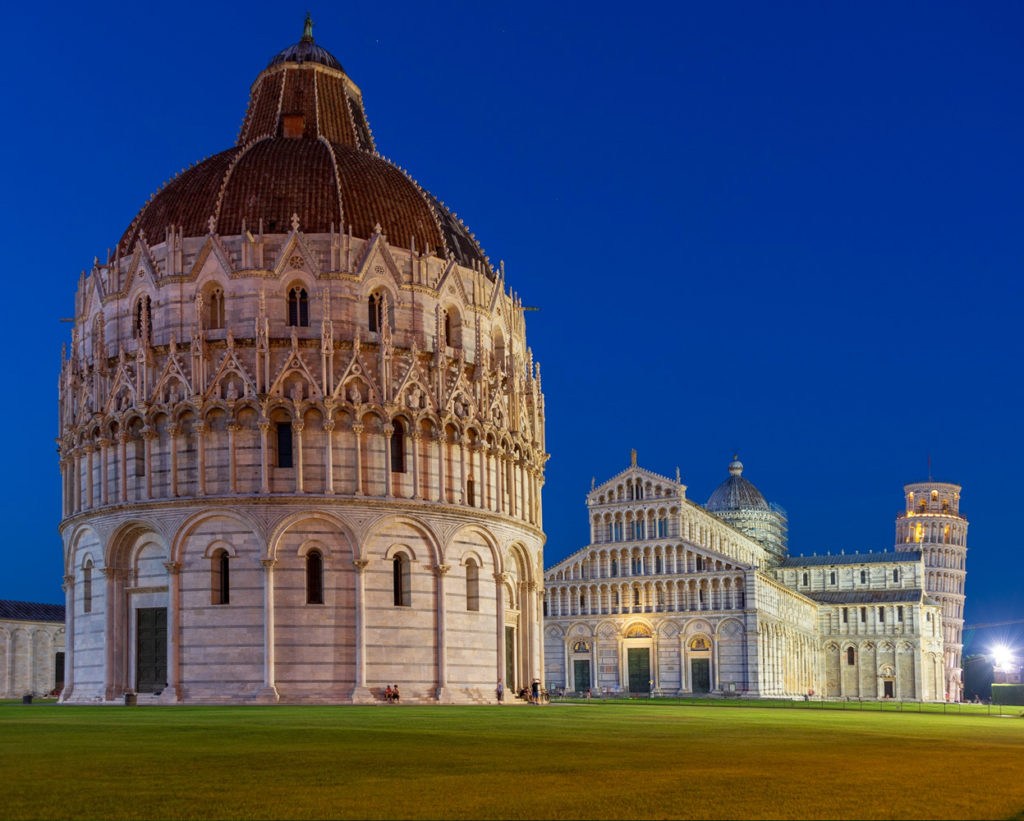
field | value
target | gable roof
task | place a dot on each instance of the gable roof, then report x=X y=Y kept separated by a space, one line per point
x=910 y=594
x=851 y=558
x=30 y=611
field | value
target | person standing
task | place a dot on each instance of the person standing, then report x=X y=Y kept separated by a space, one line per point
x=500 y=691
x=535 y=691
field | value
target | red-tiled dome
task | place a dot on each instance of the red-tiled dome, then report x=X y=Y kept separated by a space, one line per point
x=276 y=177
x=305 y=148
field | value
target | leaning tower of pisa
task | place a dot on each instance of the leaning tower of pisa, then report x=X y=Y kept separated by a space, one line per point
x=933 y=524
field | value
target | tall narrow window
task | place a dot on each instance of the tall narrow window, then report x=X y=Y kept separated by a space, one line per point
x=657 y=564
x=473 y=586
x=851 y=657
x=375 y=312
x=881 y=615
x=662 y=528
x=832 y=577
x=863 y=615
x=899 y=613
x=314 y=577
x=636 y=597
x=139 y=454
x=846 y=615
x=220 y=577
x=700 y=563
x=863 y=577
x=142 y=326
x=298 y=308
x=216 y=308
x=615 y=567
x=398 y=447
x=87 y=588
x=400 y=580
x=805 y=580
x=470 y=493
x=896 y=574
x=284 y=444
x=447 y=323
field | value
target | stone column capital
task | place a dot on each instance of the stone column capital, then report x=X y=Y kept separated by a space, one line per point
x=442 y=569
x=173 y=568
x=361 y=564
x=268 y=564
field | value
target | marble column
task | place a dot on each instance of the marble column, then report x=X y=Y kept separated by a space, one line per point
x=443 y=696
x=173 y=432
x=69 y=638
x=360 y=692
x=416 y=439
x=386 y=432
x=499 y=591
x=264 y=456
x=297 y=428
x=173 y=691
x=200 y=429
x=122 y=441
x=233 y=428
x=269 y=691
x=104 y=453
x=148 y=435
x=357 y=432
x=329 y=454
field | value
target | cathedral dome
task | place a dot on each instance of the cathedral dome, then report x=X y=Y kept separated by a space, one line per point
x=736 y=493
x=305 y=149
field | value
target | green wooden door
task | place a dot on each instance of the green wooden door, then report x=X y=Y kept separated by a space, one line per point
x=639 y=659
x=581 y=675
x=700 y=670
x=151 y=649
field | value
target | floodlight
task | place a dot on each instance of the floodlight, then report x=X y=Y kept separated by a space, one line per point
x=1001 y=656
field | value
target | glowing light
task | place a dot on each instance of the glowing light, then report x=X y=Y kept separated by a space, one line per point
x=1002 y=656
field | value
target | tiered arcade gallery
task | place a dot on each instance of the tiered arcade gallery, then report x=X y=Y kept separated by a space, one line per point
x=302 y=434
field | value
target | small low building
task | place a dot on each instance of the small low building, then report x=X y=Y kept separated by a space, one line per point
x=31 y=648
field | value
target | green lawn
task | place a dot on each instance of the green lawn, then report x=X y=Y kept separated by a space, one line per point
x=563 y=761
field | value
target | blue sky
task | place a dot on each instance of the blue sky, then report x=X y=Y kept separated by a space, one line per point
x=791 y=230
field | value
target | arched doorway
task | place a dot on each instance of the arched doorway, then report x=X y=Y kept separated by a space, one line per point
x=699 y=652
x=639 y=676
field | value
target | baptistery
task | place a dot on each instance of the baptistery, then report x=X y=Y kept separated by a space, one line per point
x=301 y=432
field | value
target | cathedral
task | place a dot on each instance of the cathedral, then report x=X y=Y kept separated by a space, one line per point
x=674 y=598
x=301 y=431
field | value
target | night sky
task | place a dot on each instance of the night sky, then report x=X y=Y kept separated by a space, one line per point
x=787 y=230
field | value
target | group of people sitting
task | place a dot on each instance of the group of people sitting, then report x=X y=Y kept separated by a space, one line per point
x=391 y=694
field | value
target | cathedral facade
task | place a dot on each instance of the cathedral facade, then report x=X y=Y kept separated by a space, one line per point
x=301 y=431
x=674 y=598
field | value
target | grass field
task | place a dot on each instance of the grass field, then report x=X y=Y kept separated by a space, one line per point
x=564 y=761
